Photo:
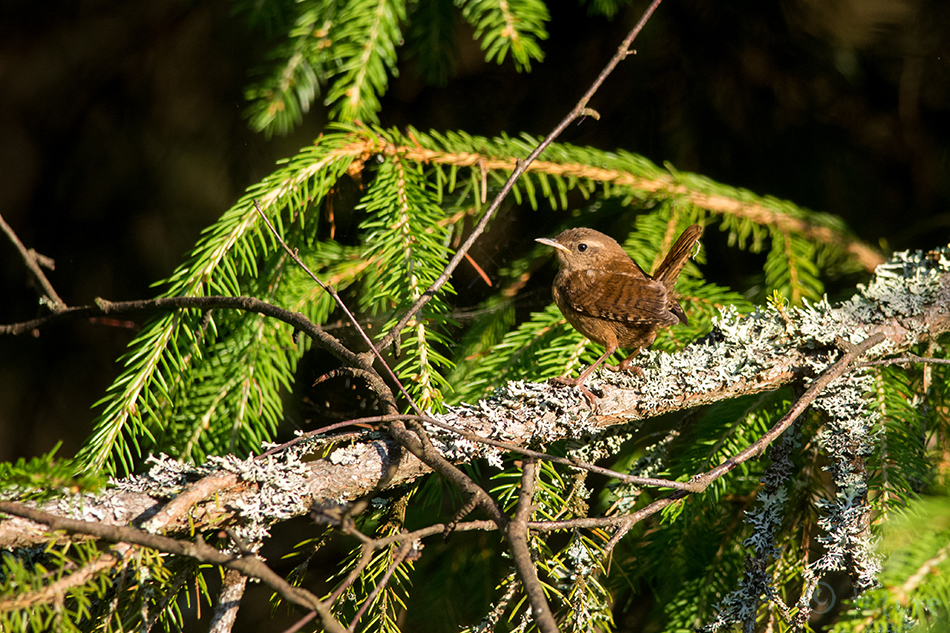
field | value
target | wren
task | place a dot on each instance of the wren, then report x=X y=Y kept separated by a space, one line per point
x=609 y=299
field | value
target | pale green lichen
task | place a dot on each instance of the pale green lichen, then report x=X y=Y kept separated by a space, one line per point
x=850 y=435
x=282 y=481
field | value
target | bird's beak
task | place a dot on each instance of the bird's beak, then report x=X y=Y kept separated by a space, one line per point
x=553 y=243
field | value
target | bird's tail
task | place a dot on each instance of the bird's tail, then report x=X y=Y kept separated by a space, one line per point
x=669 y=269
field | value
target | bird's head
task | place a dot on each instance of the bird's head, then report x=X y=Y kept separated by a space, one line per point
x=581 y=248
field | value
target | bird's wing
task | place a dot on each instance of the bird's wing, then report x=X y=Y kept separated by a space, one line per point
x=620 y=297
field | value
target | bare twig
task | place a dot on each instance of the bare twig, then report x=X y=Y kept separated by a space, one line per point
x=34 y=261
x=418 y=443
x=906 y=359
x=842 y=366
x=701 y=482
x=309 y=435
x=249 y=304
x=302 y=622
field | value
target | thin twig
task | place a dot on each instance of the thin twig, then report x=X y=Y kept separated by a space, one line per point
x=311 y=434
x=299 y=624
x=906 y=359
x=460 y=514
x=33 y=260
x=418 y=443
x=102 y=307
x=701 y=482
x=359 y=328
x=842 y=366
x=579 y=110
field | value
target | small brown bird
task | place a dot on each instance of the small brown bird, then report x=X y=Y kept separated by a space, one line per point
x=608 y=298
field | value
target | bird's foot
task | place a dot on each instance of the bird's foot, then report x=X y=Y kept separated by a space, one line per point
x=625 y=365
x=577 y=382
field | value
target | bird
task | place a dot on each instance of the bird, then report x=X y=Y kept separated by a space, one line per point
x=609 y=299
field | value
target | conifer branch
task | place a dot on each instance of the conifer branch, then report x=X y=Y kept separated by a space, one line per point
x=670 y=185
x=56 y=591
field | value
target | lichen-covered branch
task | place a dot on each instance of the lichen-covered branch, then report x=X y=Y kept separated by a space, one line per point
x=907 y=302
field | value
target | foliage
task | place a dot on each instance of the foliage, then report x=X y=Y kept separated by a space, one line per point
x=914 y=591
x=349 y=50
x=43 y=477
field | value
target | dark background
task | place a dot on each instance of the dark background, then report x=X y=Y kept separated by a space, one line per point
x=122 y=136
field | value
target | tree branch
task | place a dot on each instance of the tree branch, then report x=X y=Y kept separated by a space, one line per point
x=229 y=601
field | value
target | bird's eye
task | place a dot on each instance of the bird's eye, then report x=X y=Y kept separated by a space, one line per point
x=581 y=247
